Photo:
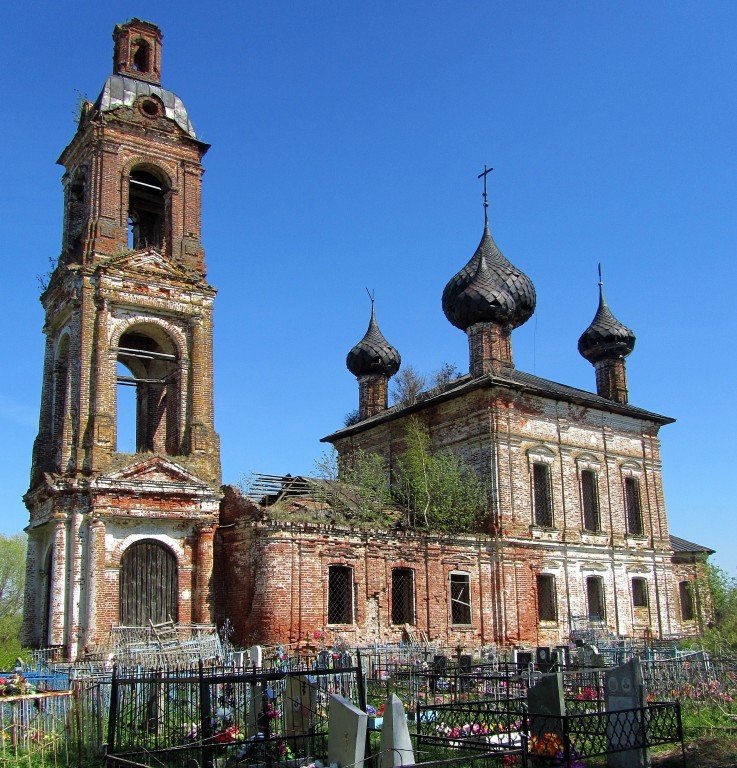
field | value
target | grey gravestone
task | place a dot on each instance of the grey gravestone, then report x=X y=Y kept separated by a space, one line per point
x=626 y=731
x=255 y=708
x=256 y=656
x=299 y=714
x=346 y=733
x=396 y=745
x=546 y=706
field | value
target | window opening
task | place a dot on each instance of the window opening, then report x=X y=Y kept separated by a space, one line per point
x=590 y=500
x=340 y=594
x=60 y=400
x=632 y=503
x=460 y=598
x=146 y=210
x=685 y=593
x=595 y=598
x=639 y=593
x=403 y=603
x=149 y=585
x=141 y=57
x=542 y=497
x=546 y=599
x=149 y=368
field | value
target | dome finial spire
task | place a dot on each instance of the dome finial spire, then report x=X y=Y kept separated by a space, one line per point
x=484 y=174
x=602 y=298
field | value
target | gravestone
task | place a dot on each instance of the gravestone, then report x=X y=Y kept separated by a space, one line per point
x=546 y=706
x=543 y=658
x=396 y=745
x=255 y=708
x=346 y=733
x=523 y=660
x=238 y=659
x=323 y=659
x=299 y=714
x=464 y=671
x=256 y=656
x=626 y=733
x=439 y=665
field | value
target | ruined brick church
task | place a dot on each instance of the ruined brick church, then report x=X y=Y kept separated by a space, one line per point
x=576 y=528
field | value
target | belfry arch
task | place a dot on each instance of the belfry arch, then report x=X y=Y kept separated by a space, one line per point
x=149 y=208
x=149 y=584
x=153 y=362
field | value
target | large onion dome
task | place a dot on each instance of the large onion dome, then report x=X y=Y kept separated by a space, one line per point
x=508 y=293
x=373 y=354
x=606 y=338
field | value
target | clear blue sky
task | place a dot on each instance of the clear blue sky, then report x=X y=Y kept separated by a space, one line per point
x=347 y=137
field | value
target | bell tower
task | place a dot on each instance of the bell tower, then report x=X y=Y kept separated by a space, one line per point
x=115 y=537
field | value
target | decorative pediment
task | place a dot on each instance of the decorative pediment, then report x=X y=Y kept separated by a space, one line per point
x=150 y=263
x=154 y=471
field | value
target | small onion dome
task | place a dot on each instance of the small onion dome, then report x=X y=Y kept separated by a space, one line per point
x=482 y=300
x=606 y=338
x=373 y=354
x=503 y=277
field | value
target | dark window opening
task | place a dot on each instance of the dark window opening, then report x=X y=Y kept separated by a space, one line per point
x=590 y=500
x=460 y=598
x=141 y=56
x=403 y=596
x=148 y=365
x=632 y=503
x=639 y=593
x=76 y=213
x=47 y=618
x=146 y=210
x=595 y=598
x=546 y=599
x=685 y=593
x=340 y=594
x=149 y=585
x=60 y=403
x=542 y=495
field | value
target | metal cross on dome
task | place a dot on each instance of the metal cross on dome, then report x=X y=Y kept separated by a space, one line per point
x=484 y=174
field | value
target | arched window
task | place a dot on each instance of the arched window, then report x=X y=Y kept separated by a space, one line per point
x=147 y=205
x=148 y=362
x=149 y=585
x=142 y=56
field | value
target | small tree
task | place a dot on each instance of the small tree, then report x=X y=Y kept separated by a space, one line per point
x=723 y=589
x=445 y=374
x=12 y=583
x=356 y=484
x=439 y=490
x=407 y=385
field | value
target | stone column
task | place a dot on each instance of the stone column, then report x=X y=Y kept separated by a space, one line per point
x=95 y=582
x=57 y=618
x=201 y=613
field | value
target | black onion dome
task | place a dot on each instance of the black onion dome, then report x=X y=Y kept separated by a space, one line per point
x=606 y=337
x=505 y=278
x=373 y=354
x=484 y=299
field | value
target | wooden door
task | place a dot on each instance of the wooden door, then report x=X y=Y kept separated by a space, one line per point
x=148 y=585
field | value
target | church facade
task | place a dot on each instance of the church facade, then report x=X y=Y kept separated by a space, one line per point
x=576 y=531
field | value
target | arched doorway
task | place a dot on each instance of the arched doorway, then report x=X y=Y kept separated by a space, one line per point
x=149 y=584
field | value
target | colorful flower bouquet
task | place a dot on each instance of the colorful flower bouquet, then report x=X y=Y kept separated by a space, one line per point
x=15 y=685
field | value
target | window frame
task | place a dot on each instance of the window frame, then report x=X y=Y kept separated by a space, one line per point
x=407 y=600
x=640 y=596
x=599 y=581
x=590 y=512
x=542 y=495
x=336 y=570
x=685 y=590
x=456 y=578
x=549 y=580
x=633 y=505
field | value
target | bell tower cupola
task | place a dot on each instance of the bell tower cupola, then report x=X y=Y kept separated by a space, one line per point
x=138 y=50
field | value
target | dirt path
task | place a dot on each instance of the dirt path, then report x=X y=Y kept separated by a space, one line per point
x=706 y=752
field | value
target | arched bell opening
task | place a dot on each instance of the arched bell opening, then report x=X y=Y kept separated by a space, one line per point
x=148 y=362
x=148 y=209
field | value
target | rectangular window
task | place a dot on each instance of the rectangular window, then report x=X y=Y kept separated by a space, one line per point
x=403 y=596
x=340 y=594
x=595 y=598
x=632 y=503
x=546 y=601
x=685 y=593
x=542 y=495
x=590 y=500
x=639 y=593
x=460 y=598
